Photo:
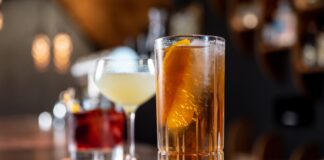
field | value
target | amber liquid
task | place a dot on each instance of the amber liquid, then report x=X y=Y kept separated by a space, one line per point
x=190 y=103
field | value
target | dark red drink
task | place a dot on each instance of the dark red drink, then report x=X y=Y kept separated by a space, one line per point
x=96 y=129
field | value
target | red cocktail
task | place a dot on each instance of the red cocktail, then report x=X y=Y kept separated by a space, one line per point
x=96 y=129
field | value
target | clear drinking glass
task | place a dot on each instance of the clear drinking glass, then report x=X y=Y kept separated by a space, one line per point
x=128 y=82
x=95 y=130
x=190 y=97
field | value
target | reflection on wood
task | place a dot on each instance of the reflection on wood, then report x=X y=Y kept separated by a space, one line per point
x=21 y=139
x=268 y=147
x=110 y=22
x=239 y=140
x=306 y=152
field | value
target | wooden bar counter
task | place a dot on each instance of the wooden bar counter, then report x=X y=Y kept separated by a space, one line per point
x=21 y=138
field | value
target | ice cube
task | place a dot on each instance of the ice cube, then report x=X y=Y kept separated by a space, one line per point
x=198 y=43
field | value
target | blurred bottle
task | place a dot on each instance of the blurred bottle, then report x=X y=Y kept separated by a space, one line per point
x=144 y=42
x=285 y=24
x=282 y=31
x=157 y=27
x=187 y=19
x=309 y=48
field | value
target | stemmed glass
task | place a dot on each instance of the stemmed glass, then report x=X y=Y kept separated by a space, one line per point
x=129 y=82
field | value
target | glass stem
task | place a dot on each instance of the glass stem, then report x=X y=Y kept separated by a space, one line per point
x=131 y=133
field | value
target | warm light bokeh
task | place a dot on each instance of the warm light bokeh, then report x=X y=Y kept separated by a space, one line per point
x=250 y=20
x=1 y=19
x=62 y=52
x=41 y=52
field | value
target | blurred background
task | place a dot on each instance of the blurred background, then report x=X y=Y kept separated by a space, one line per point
x=274 y=62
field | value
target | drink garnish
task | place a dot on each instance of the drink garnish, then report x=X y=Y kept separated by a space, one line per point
x=179 y=77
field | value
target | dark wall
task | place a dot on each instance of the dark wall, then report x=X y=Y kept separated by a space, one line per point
x=250 y=94
x=23 y=90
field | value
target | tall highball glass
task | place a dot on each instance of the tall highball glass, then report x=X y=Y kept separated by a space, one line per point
x=190 y=97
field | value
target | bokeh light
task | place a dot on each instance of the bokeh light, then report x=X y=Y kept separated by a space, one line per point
x=250 y=20
x=1 y=20
x=62 y=52
x=41 y=52
x=45 y=121
x=59 y=110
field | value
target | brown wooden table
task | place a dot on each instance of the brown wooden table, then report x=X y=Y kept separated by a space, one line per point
x=21 y=139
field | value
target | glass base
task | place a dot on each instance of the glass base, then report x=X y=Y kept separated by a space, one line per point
x=115 y=154
x=177 y=156
x=129 y=157
x=90 y=155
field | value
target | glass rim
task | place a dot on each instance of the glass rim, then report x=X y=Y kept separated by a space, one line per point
x=161 y=39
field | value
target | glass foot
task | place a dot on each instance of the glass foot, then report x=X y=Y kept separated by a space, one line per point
x=130 y=157
x=94 y=155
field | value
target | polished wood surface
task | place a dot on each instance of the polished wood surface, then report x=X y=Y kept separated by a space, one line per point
x=305 y=152
x=236 y=146
x=268 y=147
x=21 y=139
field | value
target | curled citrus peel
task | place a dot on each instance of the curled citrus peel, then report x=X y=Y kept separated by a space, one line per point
x=179 y=103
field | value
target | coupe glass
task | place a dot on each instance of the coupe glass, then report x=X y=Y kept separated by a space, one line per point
x=128 y=82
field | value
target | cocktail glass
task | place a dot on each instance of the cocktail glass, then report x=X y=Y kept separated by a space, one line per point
x=94 y=130
x=190 y=96
x=129 y=83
